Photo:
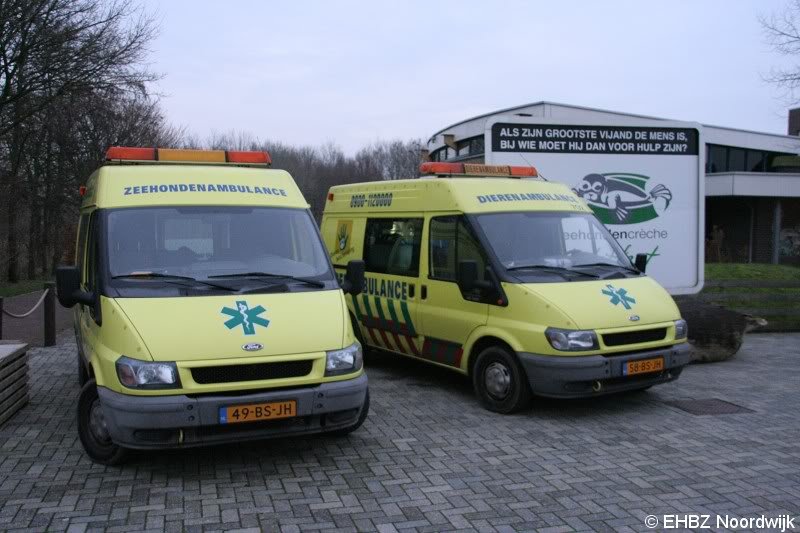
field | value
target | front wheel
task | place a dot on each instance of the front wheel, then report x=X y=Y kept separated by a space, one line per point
x=93 y=431
x=500 y=381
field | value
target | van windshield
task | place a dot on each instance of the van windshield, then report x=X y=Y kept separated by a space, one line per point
x=215 y=242
x=554 y=240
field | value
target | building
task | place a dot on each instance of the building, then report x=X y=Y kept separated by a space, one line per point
x=752 y=179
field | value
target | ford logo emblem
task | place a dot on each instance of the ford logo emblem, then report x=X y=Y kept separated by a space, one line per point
x=633 y=318
x=252 y=347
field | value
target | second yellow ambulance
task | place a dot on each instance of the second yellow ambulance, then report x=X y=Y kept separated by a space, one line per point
x=510 y=279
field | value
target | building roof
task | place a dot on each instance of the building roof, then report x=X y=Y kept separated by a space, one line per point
x=591 y=109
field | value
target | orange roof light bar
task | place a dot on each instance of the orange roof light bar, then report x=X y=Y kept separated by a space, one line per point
x=126 y=153
x=261 y=158
x=200 y=156
x=468 y=169
x=130 y=153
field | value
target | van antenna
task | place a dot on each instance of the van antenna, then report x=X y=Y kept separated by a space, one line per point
x=538 y=174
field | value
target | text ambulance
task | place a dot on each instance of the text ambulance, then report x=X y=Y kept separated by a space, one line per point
x=199 y=275
x=506 y=278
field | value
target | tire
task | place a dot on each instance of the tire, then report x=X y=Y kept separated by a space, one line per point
x=83 y=374
x=92 y=430
x=361 y=418
x=500 y=381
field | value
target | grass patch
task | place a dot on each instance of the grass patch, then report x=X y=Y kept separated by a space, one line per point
x=788 y=317
x=28 y=285
x=752 y=271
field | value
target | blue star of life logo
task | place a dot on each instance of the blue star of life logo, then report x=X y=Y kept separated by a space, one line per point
x=618 y=296
x=245 y=317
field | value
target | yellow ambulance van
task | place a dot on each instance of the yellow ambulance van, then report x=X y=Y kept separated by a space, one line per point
x=500 y=275
x=206 y=307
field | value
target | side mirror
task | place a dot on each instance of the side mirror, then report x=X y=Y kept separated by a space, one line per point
x=68 y=287
x=353 y=282
x=468 y=275
x=641 y=262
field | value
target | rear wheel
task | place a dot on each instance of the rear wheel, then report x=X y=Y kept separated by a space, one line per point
x=500 y=381
x=361 y=418
x=93 y=431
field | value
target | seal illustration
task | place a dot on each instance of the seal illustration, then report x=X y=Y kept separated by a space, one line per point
x=621 y=196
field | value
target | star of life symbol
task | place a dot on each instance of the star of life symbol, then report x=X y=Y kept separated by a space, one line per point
x=618 y=296
x=245 y=317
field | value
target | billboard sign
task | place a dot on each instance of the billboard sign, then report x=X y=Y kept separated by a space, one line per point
x=644 y=181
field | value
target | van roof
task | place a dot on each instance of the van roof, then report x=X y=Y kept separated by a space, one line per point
x=167 y=184
x=467 y=195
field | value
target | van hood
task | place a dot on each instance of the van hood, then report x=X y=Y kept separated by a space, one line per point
x=213 y=327
x=614 y=303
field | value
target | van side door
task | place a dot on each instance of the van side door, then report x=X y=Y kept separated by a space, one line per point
x=87 y=325
x=387 y=309
x=447 y=317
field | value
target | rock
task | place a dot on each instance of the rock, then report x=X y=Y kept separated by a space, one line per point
x=715 y=333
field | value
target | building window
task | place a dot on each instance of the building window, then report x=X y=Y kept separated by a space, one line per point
x=756 y=161
x=721 y=158
x=392 y=246
x=737 y=158
x=716 y=158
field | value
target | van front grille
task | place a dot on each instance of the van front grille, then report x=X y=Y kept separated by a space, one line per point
x=256 y=372
x=634 y=337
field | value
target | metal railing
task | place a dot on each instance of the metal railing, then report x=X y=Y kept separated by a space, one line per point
x=49 y=299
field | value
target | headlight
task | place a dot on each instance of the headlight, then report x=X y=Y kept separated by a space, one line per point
x=344 y=361
x=681 y=329
x=570 y=340
x=137 y=374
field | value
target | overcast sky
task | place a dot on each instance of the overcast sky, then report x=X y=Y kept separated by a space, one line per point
x=353 y=72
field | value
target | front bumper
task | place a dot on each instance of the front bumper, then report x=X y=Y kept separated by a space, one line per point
x=148 y=422
x=578 y=376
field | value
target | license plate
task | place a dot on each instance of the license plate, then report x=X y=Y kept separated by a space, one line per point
x=643 y=366
x=254 y=412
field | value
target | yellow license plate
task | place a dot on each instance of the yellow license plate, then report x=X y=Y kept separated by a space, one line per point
x=643 y=366
x=254 y=412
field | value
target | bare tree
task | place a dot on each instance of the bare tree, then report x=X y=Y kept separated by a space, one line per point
x=782 y=32
x=65 y=65
x=49 y=48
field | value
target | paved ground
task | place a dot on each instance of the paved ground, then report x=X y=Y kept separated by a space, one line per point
x=31 y=329
x=430 y=459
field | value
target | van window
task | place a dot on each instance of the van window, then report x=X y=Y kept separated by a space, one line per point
x=451 y=242
x=581 y=236
x=391 y=246
x=552 y=239
x=90 y=268
x=83 y=232
x=215 y=241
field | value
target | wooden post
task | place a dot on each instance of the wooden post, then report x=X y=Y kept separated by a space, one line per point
x=50 y=314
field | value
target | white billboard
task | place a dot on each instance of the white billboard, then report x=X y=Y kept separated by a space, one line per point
x=644 y=181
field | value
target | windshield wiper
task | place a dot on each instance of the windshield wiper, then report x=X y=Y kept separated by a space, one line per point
x=630 y=269
x=312 y=282
x=556 y=269
x=171 y=277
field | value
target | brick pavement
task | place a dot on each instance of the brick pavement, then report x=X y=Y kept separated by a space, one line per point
x=430 y=459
